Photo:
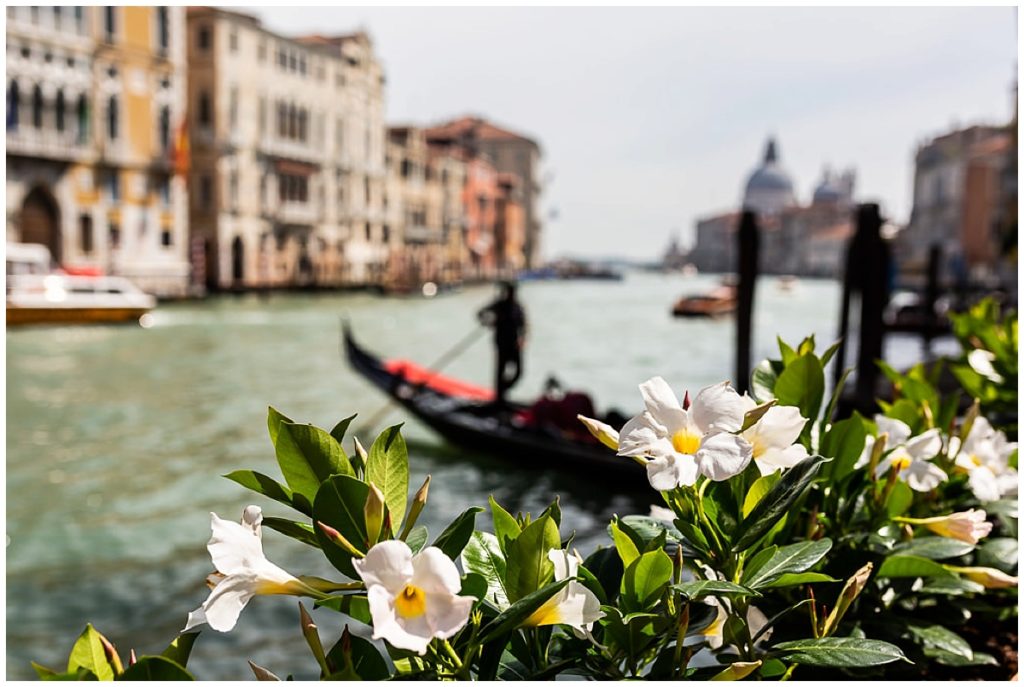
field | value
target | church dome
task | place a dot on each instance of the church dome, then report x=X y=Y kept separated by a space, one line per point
x=769 y=188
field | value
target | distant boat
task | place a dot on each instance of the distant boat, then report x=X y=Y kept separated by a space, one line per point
x=786 y=283
x=718 y=302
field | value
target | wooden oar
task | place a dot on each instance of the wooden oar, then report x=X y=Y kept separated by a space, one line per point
x=435 y=369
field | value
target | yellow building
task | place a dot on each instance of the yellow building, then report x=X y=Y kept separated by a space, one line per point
x=95 y=100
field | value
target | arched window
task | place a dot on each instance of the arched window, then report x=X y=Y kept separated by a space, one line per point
x=37 y=107
x=83 y=119
x=60 y=110
x=13 y=104
x=165 y=127
x=205 y=118
x=293 y=125
x=302 y=125
x=112 y=118
x=162 y=29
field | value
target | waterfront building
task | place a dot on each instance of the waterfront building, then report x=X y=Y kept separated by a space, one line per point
x=95 y=166
x=803 y=240
x=288 y=146
x=960 y=203
x=509 y=152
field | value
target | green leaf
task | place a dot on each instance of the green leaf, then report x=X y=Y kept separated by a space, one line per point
x=843 y=443
x=762 y=381
x=900 y=499
x=776 y=502
x=475 y=585
x=802 y=384
x=1000 y=553
x=934 y=548
x=840 y=652
x=180 y=649
x=364 y=661
x=949 y=586
x=455 y=536
x=387 y=466
x=298 y=531
x=644 y=581
x=788 y=354
x=826 y=357
x=417 y=538
x=795 y=558
x=271 y=488
x=47 y=675
x=483 y=556
x=88 y=653
x=506 y=529
x=516 y=614
x=274 y=419
x=830 y=409
x=911 y=566
x=527 y=565
x=950 y=659
x=761 y=486
x=941 y=638
x=338 y=432
x=793 y=579
x=155 y=668
x=606 y=566
x=339 y=504
x=698 y=589
x=308 y=456
x=627 y=549
x=355 y=606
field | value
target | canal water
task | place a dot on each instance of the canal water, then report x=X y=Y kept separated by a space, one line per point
x=117 y=437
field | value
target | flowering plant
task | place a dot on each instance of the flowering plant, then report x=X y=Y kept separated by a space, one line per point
x=787 y=540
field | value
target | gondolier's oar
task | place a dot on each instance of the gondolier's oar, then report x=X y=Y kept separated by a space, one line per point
x=434 y=369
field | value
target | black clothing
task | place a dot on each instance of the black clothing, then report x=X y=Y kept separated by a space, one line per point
x=509 y=322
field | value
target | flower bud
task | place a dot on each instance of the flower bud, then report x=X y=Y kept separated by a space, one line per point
x=373 y=513
x=851 y=590
x=606 y=434
x=262 y=674
x=989 y=578
x=969 y=526
x=737 y=671
x=360 y=455
x=111 y=653
x=309 y=631
x=418 y=502
x=337 y=538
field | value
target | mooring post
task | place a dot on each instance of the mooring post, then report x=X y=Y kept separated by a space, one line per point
x=874 y=280
x=747 y=250
x=931 y=295
x=851 y=286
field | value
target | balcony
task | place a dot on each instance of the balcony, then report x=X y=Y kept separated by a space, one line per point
x=291 y=150
x=291 y=212
x=47 y=143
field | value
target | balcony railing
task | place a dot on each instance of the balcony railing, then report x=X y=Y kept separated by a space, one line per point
x=290 y=212
x=293 y=150
x=48 y=143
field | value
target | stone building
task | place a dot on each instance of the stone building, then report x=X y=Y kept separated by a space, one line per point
x=804 y=240
x=508 y=152
x=288 y=173
x=959 y=203
x=95 y=109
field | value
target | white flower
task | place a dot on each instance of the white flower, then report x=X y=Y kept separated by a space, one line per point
x=985 y=455
x=772 y=438
x=575 y=606
x=980 y=361
x=713 y=634
x=242 y=572
x=684 y=443
x=412 y=598
x=662 y=513
x=897 y=432
x=969 y=526
x=912 y=462
x=601 y=431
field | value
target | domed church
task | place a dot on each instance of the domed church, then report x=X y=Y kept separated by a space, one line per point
x=769 y=188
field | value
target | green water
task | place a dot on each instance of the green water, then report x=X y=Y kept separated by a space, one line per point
x=116 y=437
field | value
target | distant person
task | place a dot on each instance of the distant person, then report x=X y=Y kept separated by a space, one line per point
x=507 y=318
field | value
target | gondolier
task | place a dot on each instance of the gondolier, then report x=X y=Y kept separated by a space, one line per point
x=507 y=318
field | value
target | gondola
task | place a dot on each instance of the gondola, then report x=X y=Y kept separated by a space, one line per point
x=465 y=417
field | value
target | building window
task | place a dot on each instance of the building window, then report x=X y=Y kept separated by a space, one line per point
x=165 y=128
x=37 y=107
x=233 y=107
x=57 y=17
x=303 y=125
x=114 y=186
x=261 y=50
x=112 y=118
x=166 y=238
x=114 y=236
x=233 y=40
x=83 y=120
x=205 y=114
x=261 y=116
x=13 y=103
x=162 y=29
x=205 y=192
x=233 y=190
x=85 y=233
x=80 y=19
x=203 y=38
x=385 y=233
x=109 y=23
x=165 y=191
x=366 y=230
x=59 y=110
x=34 y=14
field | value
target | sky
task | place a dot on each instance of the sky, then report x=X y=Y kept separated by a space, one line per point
x=652 y=118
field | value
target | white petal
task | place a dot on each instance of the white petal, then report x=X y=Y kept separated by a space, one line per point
x=669 y=471
x=981 y=431
x=897 y=430
x=723 y=456
x=984 y=484
x=447 y=613
x=777 y=428
x=387 y=627
x=980 y=361
x=747 y=403
x=661 y=403
x=662 y=513
x=226 y=601
x=775 y=459
x=435 y=572
x=923 y=476
x=640 y=434
x=388 y=563
x=884 y=464
x=718 y=408
x=566 y=565
x=234 y=548
x=1008 y=483
x=865 y=455
x=925 y=446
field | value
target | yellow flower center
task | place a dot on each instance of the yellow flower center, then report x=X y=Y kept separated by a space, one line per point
x=974 y=459
x=685 y=441
x=901 y=463
x=411 y=602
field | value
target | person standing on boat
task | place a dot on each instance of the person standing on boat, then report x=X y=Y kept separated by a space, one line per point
x=507 y=318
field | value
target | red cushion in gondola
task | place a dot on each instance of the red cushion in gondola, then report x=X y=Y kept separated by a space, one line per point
x=417 y=374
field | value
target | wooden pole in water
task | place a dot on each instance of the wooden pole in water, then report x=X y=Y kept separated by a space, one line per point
x=747 y=250
x=874 y=280
x=931 y=295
